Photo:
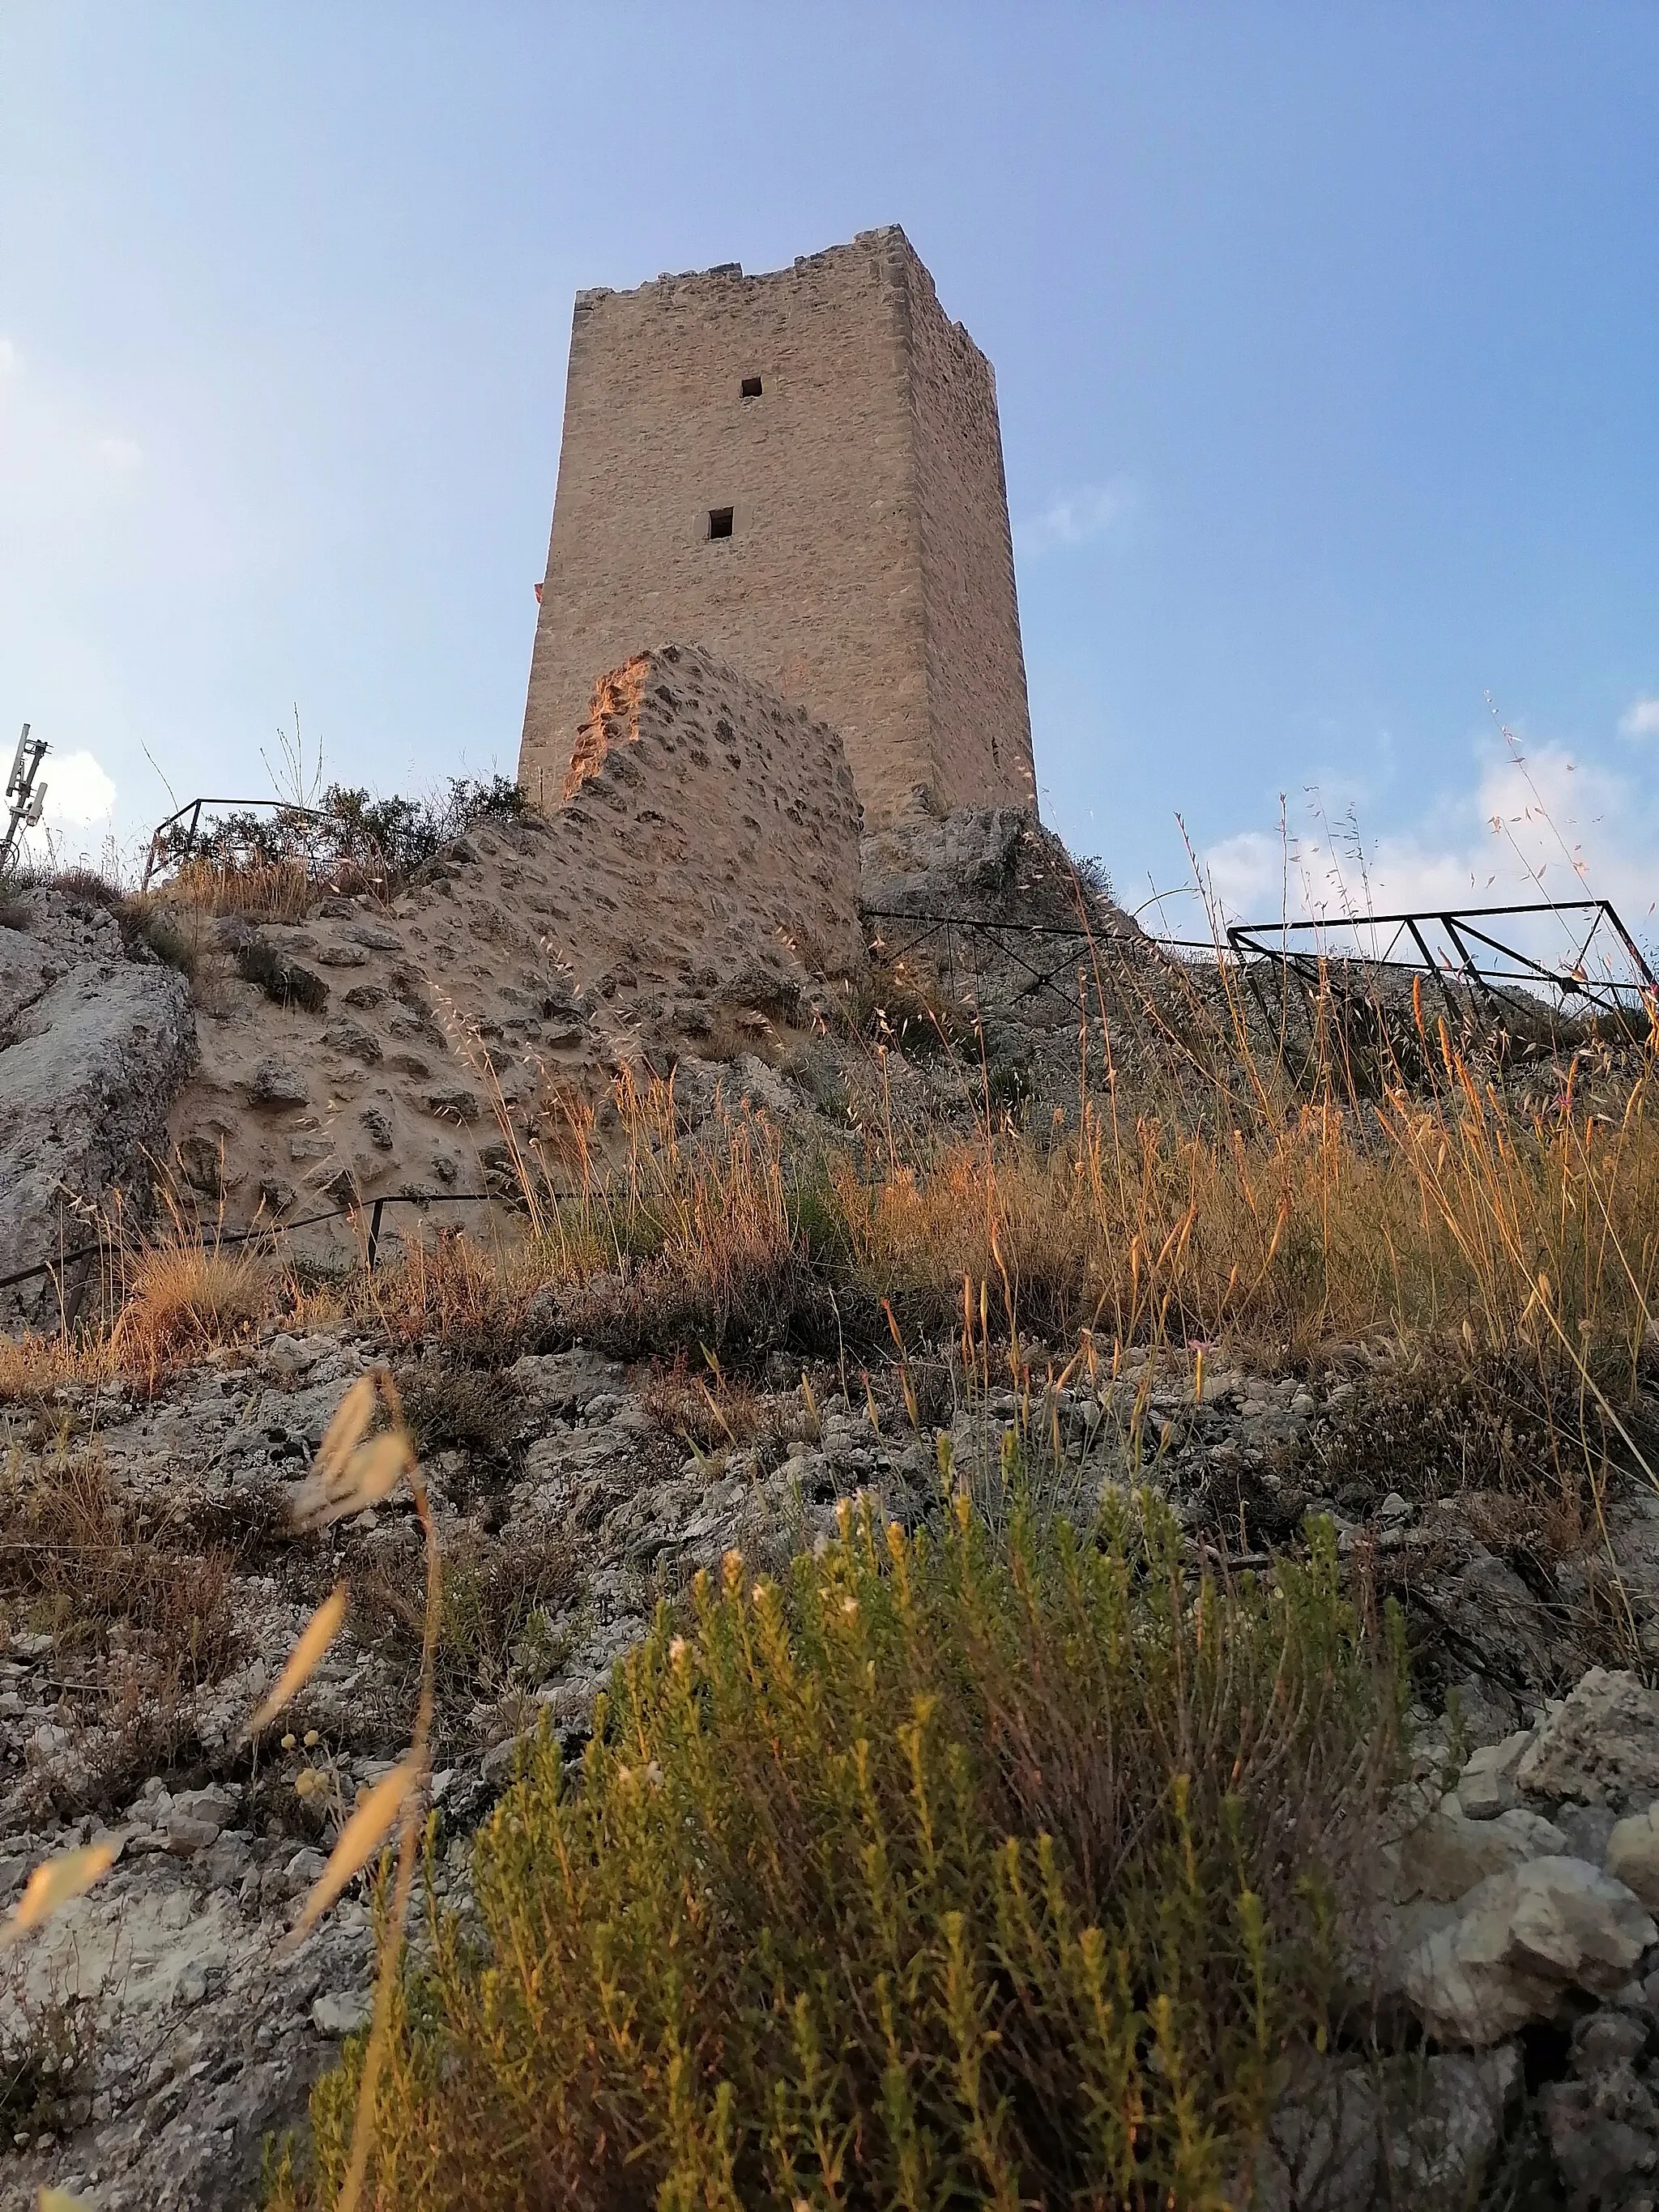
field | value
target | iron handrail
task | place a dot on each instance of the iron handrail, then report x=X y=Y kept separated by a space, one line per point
x=193 y=808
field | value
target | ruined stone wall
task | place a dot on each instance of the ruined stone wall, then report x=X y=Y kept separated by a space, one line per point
x=709 y=833
x=703 y=870
x=853 y=580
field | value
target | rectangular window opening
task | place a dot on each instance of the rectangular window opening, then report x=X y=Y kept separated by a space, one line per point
x=720 y=522
x=750 y=388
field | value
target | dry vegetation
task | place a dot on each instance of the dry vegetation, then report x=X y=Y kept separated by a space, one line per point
x=83 y=1564
x=1280 y=1221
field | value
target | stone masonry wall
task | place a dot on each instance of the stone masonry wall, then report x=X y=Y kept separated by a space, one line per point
x=862 y=578
x=976 y=700
x=709 y=829
x=702 y=868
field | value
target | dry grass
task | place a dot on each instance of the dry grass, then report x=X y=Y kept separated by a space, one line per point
x=700 y=1225
x=1456 y=1220
x=90 y=1567
x=173 y=1302
x=34 y=1365
x=659 y=1241
x=713 y=1411
x=261 y=891
x=1458 y=1216
x=498 y=1595
x=1447 y=1211
x=184 y=1299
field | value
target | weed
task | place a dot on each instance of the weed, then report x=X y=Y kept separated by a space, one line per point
x=47 y=2046
x=80 y=1561
x=967 y=1872
x=1432 y=1423
x=450 y=1408
x=712 y=1410
x=499 y=1593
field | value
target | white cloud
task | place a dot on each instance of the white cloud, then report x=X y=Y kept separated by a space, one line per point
x=1078 y=518
x=122 y=455
x=1538 y=824
x=11 y=360
x=1640 y=720
x=79 y=792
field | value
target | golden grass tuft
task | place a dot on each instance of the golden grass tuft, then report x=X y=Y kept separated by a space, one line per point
x=184 y=1299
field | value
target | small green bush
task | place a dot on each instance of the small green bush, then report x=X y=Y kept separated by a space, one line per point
x=284 y=980
x=392 y=837
x=954 y=1872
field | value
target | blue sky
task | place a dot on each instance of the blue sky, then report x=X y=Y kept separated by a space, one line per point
x=1327 y=340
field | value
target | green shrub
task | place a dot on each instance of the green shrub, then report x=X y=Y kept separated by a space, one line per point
x=392 y=837
x=952 y=1873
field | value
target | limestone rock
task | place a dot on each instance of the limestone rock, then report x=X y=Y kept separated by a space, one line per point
x=1487 y=1787
x=95 y=1061
x=1448 y=1853
x=1350 y=2137
x=1442 y=2143
x=340 y=2013
x=1522 y=1940
x=1325 y=2142
x=1633 y=1854
x=1588 y=1829
x=1600 y=1745
x=1602 y=2123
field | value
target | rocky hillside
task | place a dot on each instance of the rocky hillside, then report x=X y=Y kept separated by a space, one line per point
x=154 y=2033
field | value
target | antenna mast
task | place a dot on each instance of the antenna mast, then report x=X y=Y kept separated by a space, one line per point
x=24 y=797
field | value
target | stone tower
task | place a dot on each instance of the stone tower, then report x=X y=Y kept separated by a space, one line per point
x=801 y=471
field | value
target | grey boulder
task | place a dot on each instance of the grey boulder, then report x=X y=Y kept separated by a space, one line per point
x=1521 y=1941
x=88 y=1071
x=1633 y=1854
x=1600 y=1745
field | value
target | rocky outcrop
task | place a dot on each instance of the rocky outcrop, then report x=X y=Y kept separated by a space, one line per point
x=997 y=863
x=93 y=1049
x=1349 y=2137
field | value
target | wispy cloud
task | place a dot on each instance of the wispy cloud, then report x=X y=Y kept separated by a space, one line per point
x=1538 y=823
x=1079 y=517
x=1640 y=719
x=11 y=360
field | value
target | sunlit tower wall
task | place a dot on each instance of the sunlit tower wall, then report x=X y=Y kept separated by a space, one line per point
x=803 y=472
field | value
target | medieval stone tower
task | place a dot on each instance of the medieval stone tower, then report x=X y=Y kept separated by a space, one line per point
x=801 y=471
